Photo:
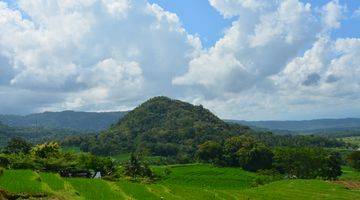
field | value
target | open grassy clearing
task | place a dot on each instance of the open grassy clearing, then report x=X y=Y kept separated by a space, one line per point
x=182 y=182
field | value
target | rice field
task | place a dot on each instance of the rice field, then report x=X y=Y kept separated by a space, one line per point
x=195 y=182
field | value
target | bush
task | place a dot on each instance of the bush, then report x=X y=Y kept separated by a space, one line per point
x=135 y=168
x=4 y=161
x=1 y=171
x=353 y=160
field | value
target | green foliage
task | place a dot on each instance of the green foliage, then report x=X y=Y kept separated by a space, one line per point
x=18 y=145
x=210 y=151
x=135 y=168
x=161 y=127
x=331 y=166
x=307 y=163
x=353 y=160
x=33 y=134
x=273 y=140
x=246 y=152
x=1 y=171
x=46 y=150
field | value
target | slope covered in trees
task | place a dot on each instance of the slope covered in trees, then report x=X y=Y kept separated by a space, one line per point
x=161 y=126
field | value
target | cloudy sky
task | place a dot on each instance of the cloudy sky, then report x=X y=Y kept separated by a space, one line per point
x=242 y=59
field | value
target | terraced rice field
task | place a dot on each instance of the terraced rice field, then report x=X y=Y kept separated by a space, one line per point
x=181 y=182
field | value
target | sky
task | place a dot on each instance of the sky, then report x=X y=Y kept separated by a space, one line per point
x=242 y=59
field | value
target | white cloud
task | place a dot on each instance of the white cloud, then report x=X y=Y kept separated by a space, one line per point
x=333 y=14
x=276 y=60
x=95 y=53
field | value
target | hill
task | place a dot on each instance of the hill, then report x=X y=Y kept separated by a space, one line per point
x=164 y=127
x=79 y=121
x=317 y=126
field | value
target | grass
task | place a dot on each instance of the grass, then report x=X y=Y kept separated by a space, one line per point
x=350 y=174
x=195 y=182
x=121 y=157
x=94 y=189
x=301 y=189
x=21 y=181
x=207 y=176
x=54 y=181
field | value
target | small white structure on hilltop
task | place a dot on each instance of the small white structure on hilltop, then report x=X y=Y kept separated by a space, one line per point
x=97 y=175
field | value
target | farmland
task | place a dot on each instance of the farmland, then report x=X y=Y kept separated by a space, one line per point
x=195 y=181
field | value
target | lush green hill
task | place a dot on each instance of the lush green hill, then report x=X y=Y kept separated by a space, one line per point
x=164 y=126
x=80 y=121
x=183 y=182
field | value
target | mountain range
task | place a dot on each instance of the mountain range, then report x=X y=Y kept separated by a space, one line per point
x=99 y=121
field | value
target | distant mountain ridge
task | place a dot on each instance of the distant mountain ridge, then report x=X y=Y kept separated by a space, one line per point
x=80 y=121
x=316 y=126
x=99 y=121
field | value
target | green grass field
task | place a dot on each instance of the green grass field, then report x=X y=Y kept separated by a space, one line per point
x=195 y=181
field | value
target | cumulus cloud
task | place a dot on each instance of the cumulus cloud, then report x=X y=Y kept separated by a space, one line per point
x=333 y=14
x=93 y=52
x=277 y=60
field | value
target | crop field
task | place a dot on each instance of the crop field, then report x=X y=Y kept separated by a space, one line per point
x=195 y=181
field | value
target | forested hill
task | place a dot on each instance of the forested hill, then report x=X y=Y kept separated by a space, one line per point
x=79 y=121
x=162 y=126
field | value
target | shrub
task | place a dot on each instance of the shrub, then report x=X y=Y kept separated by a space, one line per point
x=1 y=171
x=4 y=161
x=46 y=150
x=353 y=160
x=135 y=168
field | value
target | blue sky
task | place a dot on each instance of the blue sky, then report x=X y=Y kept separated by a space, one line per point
x=276 y=59
x=199 y=17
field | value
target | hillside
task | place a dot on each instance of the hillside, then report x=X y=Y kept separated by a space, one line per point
x=80 y=121
x=164 y=127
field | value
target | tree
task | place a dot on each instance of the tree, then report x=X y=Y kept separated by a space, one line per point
x=259 y=157
x=246 y=152
x=136 y=168
x=18 y=145
x=353 y=160
x=209 y=151
x=331 y=168
x=46 y=150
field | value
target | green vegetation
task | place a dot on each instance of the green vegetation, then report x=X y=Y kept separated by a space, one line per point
x=354 y=160
x=21 y=181
x=34 y=134
x=350 y=174
x=195 y=181
x=240 y=163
